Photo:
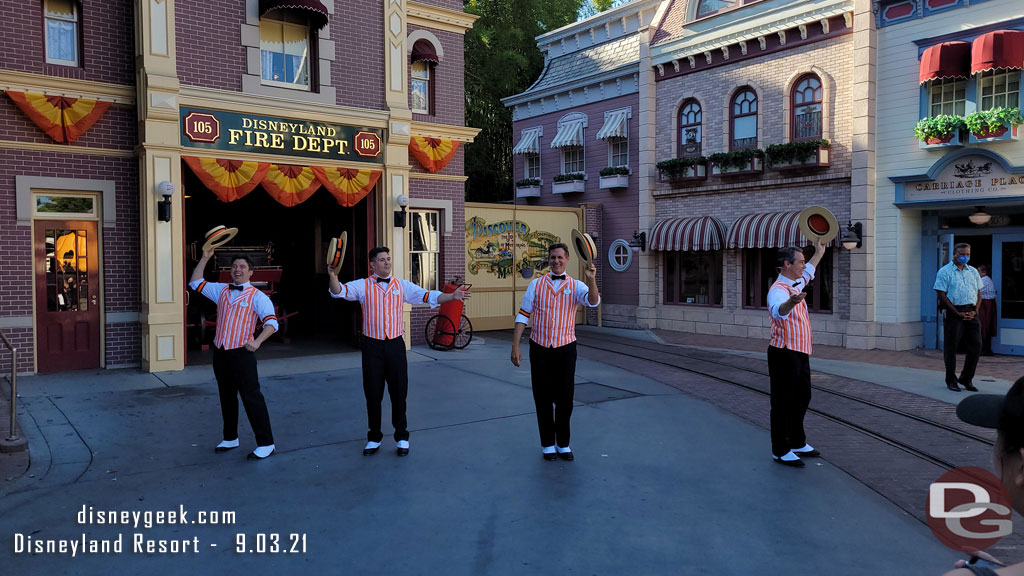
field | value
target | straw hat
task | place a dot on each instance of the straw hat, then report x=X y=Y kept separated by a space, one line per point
x=585 y=246
x=336 y=252
x=818 y=223
x=218 y=236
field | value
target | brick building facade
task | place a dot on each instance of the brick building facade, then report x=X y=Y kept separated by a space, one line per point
x=150 y=62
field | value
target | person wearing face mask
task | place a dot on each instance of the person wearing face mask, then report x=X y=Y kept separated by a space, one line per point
x=1006 y=415
x=958 y=286
x=383 y=298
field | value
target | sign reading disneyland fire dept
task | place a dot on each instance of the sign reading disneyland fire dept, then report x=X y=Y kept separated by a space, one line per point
x=219 y=130
x=965 y=177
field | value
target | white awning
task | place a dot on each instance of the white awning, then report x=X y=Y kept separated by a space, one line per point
x=528 y=144
x=569 y=134
x=615 y=126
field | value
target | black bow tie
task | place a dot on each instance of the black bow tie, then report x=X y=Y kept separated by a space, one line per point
x=562 y=277
x=384 y=280
x=236 y=287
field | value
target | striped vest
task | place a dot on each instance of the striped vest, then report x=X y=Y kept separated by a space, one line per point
x=382 y=309
x=236 y=321
x=793 y=331
x=554 y=313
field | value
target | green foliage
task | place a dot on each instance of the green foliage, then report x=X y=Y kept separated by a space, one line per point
x=940 y=127
x=795 y=152
x=678 y=166
x=502 y=59
x=987 y=121
x=735 y=159
x=569 y=177
x=528 y=182
x=615 y=171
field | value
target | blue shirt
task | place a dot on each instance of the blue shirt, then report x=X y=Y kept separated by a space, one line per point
x=960 y=286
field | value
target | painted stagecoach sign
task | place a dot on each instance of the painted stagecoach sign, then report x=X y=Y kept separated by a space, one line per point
x=506 y=248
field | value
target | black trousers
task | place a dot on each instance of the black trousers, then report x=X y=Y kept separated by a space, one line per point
x=384 y=361
x=553 y=374
x=790 y=374
x=953 y=330
x=237 y=376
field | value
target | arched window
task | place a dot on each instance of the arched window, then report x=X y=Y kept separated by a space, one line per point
x=806 y=106
x=743 y=121
x=690 y=132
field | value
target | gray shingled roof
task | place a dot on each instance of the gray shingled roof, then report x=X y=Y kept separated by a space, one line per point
x=588 y=62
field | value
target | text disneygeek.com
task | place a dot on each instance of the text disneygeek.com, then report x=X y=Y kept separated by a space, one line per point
x=137 y=542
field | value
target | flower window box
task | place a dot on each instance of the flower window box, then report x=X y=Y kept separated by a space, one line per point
x=819 y=159
x=680 y=170
x=752 y=166
x=615 y=181
x=948 y=141
x=568 y=183
x=994 y=125
x=1002 y=134
x=530 y=191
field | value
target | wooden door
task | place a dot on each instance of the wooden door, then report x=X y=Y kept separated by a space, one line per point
x=67 y=295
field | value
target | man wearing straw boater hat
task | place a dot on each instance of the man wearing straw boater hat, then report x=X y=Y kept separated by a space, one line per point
x=239 y=306
x=382 y=298
x=550 y=303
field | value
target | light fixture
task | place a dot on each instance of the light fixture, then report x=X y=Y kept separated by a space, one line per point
x=980 y=217
x=163 y=208
x=851 y=238
x=400 y=215
x=639 y=241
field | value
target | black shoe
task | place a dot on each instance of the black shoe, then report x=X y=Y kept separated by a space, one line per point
x=369 y=451
x=953 y=387
x=566 y=456
x=794 y=463
x=222 y=449
x=550 y=456
x=808 y=454
x=970 y=387
x=403 y=450
x=252 y=456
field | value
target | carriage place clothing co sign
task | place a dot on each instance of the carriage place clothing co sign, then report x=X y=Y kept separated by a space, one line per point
x=967 y=177
x=219 y=130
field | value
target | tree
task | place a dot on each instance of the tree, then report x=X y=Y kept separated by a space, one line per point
x=593 y=7
x=502 y=59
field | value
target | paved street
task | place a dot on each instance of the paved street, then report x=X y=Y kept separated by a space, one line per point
x=662 y=483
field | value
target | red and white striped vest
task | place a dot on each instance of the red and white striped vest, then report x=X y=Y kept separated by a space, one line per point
x=793 y=331
x=236 y=321
x=382 y=309
x=554 y=313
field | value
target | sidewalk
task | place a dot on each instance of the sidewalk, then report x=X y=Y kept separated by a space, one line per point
x=662 y=483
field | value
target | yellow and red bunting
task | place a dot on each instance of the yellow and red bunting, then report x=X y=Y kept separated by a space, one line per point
x=433 y=153
x=63 y=119
x=228 y=179
x=290 y=185
x=346 y=185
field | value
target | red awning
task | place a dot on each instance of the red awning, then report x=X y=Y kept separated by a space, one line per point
x=771 y=230
x=946 y=60
x=423 y=50
x=315 y=9
x=688 y=234
x=998 y=49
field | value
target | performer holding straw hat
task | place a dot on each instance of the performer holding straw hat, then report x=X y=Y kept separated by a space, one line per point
x=550 y=303
x=239 y=306
x=382 y=297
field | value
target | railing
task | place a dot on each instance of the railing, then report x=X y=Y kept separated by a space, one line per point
x=14 y=388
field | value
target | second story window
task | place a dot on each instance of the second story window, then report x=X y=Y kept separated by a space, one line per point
x=532 y=166
x=285 y=52
x=618 y=152
x=998 y=88
x=689 y=128
x=743 y=121
x=62 y=30
x=807 y=108
x=572 y=159
x=419 y=89
x=947 y=96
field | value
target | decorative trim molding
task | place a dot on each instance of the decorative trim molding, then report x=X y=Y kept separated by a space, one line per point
x=429 y=176
x=65 y=149
x=439 y=18
x=446 y=131
x=70 y=87
x=445 y=206
x=278 y=107
x=24 y=185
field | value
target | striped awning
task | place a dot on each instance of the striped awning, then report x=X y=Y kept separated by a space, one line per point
x=616 y=125
x=771 y=230
x=688 y=234
x=569 y=134
x=529 y=143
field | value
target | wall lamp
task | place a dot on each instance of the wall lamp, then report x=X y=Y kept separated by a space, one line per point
x=639 y=241
x=400 y=215
x=851 y=238
x=980 y=218
x=163 y=207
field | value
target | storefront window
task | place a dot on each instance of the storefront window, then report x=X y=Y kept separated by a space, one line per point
x=760 y=270
x=947 y=96
x=284 y=53
x=999 y=88
x=693 y=278
x=425 y=249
